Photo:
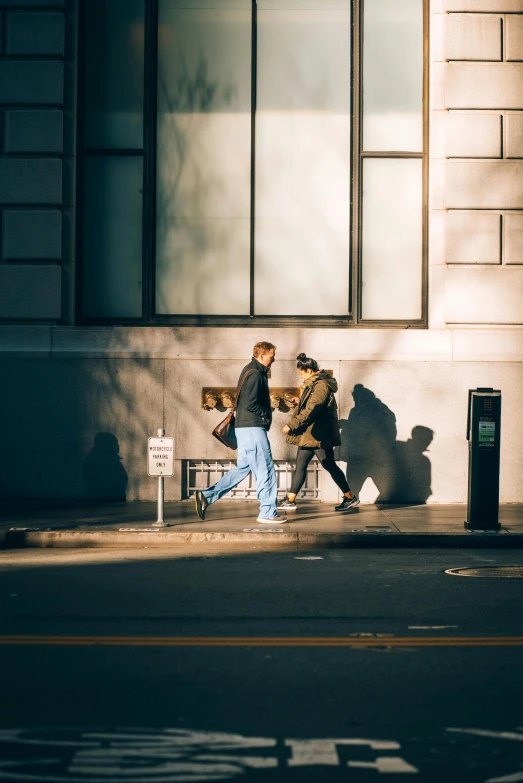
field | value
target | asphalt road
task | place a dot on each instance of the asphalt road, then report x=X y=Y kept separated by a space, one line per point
x=142 y=665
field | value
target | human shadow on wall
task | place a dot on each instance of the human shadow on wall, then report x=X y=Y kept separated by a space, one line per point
x=399 y=469
x=105 y=478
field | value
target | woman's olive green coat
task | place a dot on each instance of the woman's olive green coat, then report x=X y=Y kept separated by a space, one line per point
x=315 y=423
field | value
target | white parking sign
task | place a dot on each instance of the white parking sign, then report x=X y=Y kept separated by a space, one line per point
x=160 y=457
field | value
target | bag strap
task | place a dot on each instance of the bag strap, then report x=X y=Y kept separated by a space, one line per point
x=239 y=388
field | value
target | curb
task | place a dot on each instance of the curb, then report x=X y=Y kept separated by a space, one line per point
x=72 y=539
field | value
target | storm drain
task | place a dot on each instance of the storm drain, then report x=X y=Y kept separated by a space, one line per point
x=492 y=572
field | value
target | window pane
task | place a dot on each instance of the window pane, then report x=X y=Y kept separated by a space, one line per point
x=114 y=38
x=204 y=157
x=302 y=229
x=112 y=237
x=393 y=75
x=392 y=238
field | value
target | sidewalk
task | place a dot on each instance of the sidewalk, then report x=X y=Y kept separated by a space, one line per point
x=232 y=524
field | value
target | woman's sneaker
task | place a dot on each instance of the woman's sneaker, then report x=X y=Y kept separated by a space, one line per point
x=277 y=520
x=348 y=503
x=287 y=505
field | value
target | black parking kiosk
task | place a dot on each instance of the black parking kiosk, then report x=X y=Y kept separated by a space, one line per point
x=483 y=435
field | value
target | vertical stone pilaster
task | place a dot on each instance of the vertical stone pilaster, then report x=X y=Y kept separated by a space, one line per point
x=482 y=138
x=37 y=99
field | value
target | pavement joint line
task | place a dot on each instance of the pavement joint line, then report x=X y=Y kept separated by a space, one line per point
x=210 y=641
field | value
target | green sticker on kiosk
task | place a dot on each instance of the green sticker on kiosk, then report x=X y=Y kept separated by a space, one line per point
x=487 y=431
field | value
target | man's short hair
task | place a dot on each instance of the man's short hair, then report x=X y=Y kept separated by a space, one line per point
x=262 y=348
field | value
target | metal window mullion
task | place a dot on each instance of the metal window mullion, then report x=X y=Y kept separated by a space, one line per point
x=108 y=152
x=357 y=114
x=425 y=167
x=361 y=154
x=403 y=154
x=254 y=57
x=149 y=168
x=79 y=201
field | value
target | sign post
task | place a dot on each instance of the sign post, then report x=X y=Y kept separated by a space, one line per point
x=160 y=462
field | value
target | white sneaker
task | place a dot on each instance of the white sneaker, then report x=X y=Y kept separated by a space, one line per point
x=277 y=520
x=287 y=505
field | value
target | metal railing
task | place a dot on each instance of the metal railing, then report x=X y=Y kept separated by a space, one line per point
x=201 y=474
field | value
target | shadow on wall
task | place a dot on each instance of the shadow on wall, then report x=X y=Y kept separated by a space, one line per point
x=105 y=478
x=399 y=469
x=188 y=180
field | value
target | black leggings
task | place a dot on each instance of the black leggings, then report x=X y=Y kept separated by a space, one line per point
x=326 y=457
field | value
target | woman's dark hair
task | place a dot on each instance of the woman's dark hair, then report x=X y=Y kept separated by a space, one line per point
x=306 y=363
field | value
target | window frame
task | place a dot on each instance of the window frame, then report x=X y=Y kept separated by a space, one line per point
x=359 y=156
x=353 y=318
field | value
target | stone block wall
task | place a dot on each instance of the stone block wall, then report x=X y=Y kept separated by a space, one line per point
x=476 y=129
x=65 y=388
x=37 y=96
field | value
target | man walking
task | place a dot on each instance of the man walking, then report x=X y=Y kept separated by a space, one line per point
x=253 y=421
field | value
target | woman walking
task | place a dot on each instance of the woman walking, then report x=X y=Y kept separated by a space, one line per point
x=315 y=430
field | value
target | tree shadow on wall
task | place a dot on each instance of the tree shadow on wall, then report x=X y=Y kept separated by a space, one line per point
x=399 y=469
x=188 y=101
x=105 y=478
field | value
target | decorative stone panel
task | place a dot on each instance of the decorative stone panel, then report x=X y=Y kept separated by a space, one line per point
x=473 y=37
x=33 y=3
x=30 y=181
x=513 y=239
x=472 y=135
x=484 y=184
x=34 y=131
x=31 y=235
x=484 y=295
x=35 y=34
x=514 y=37
x=514 y=135
x=25 y=82
x=479 y=6
x=484 y=86
x=30 y=292
x=473 y=238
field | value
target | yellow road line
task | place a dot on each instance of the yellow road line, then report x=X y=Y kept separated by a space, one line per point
x=268 y=641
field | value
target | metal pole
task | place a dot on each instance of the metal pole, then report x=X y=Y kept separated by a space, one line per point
x=160 y=521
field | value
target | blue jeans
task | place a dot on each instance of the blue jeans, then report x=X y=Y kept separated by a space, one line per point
x=254 y=456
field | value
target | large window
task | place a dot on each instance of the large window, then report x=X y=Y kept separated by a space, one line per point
x=253 y=162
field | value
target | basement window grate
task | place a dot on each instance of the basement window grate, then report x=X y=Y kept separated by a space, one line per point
x=201 y=474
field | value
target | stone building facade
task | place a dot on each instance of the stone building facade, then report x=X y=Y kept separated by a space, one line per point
x=64 y=381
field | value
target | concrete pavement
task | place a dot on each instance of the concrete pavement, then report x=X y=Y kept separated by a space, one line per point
x=232 y=524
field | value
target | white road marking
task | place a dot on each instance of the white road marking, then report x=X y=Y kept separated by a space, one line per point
x=254 y=762
x=308 y=558
x=323 y=751
x=385 y=765
x=508 y=735
x=507 y=778
x=307 y=752
x=430 y=627
x=174 y=755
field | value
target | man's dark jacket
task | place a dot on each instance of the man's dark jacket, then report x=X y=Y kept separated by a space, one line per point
x=254 y=403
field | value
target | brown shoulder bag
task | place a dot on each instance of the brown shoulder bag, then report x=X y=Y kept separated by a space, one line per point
x=225 y=431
